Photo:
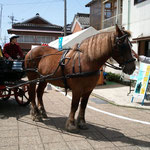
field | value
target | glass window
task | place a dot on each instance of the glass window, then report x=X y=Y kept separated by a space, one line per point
x=35 y=39
x=108 y=10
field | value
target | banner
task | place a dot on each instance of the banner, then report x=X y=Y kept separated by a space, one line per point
x=60 y=43
x=142 y=81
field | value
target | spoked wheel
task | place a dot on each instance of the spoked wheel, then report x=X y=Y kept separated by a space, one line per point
x=5 y=94
x=21 y=95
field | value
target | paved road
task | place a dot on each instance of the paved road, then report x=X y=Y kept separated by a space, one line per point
x=128 y=129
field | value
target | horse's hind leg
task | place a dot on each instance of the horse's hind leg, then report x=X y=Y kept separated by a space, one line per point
x=40 y=92
x=34 y=110
x=70 y=124
x=81 y=116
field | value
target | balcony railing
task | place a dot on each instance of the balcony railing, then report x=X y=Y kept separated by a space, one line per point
x=112 y=21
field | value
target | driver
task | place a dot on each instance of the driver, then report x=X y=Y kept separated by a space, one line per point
x=12 y=50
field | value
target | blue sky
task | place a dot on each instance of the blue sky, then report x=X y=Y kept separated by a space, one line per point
x=50 y=10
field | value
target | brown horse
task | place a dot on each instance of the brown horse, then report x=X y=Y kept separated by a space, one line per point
x=79 y=70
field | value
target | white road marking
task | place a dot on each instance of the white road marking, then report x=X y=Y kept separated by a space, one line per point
x=107 y=113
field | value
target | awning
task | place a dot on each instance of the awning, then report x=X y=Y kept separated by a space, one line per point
x=142 y=38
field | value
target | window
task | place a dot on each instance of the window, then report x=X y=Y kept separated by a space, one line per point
x=138 y=1
x=35 y=39
x=108 y=10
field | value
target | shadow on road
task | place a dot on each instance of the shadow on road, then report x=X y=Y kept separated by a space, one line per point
x=10 y=108
x=94 y=132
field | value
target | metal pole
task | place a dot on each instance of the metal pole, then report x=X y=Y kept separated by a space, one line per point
x=65 y=17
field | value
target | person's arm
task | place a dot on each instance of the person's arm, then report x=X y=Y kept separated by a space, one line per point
x=5 y=52
x=144 y=59
x=20 y=52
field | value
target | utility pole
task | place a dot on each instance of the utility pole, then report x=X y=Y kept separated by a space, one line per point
x=65 y=17
x=12 y=18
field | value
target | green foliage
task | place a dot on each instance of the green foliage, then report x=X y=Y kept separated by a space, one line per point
x=113 y=77
x=116 y=78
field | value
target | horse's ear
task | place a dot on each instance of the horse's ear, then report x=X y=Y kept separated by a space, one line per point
x=118 y=31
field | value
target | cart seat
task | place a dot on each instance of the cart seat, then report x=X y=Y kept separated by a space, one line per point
x=11 y=70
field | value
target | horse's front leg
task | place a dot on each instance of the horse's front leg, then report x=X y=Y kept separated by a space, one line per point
x=34 y=110
x=40 y=92
x=70 y=124
x=81 y=123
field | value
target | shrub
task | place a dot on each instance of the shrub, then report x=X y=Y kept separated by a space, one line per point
x=113 y=77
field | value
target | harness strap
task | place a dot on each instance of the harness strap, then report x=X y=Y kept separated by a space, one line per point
x=82 y=74
x=62 y=64
x=73 y=65
x=79 y=63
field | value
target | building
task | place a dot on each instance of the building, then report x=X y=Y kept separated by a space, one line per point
x=132 y=14
x=105 y=13
x=136 y=18
x=35 y=31
x=81 y=21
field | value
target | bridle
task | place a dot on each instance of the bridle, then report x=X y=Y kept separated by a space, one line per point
x=120 y=44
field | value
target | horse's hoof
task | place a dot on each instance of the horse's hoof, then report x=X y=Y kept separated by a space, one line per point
x=37 y=119
x=42 y=112
x=81 y=124
x=44 y=115
x=70 y=127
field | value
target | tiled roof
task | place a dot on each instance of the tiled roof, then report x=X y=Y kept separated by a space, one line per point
x=84 y=19
x=37 y=23
x=36 y=26
x=89 y=4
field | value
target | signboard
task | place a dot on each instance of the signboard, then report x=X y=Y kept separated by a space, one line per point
x=142 y=81
x=134 y=75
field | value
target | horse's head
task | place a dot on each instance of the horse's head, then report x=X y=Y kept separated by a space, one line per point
x=122 y=51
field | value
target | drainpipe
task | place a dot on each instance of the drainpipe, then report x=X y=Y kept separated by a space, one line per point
x=117 y=12
x=128 y=23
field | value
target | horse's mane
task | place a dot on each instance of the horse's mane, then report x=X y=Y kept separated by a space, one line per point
x=97 y=45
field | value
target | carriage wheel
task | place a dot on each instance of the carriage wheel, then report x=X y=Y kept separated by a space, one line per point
x=21 y=95
x=5 y=94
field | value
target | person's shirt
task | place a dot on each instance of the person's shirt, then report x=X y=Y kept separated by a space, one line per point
x=12 y=50
x=144 y=59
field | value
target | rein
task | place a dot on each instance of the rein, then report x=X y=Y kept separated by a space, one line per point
x=64 y=77
x=112 y=66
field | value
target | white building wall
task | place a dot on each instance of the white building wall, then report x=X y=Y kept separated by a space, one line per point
x=136 y=18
